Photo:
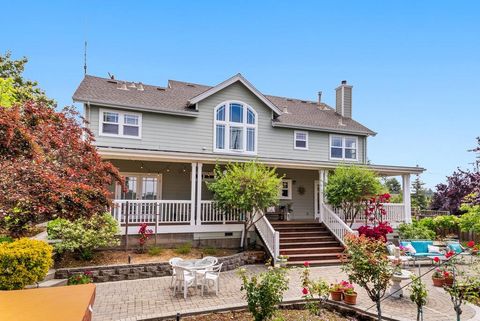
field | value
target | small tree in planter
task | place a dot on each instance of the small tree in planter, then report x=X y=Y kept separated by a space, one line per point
x=248 y=187
x=418 y=295
x=367 y=265
x=350 y=187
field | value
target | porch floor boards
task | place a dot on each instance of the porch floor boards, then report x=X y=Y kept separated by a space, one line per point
x=308 y=241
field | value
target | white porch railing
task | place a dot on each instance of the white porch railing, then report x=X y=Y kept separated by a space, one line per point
x=336 y=224
x=395 y=214
x=152 y=211
x=270 y=237
x=211 y=214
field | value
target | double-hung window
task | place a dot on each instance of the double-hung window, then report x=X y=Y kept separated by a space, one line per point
x=343 y=147
x=300 y=140
x=235 y=128
x=285 y=189
x=120 y=124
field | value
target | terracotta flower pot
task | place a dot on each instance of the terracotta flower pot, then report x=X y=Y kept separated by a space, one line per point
x=438 y=282
x=350 y=298
x=336 y=295
x=448 y=281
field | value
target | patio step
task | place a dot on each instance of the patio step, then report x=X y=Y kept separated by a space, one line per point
x=308 y=241
x=300 y=258
x=311 y=250
x=317 y=262
x=313 y=233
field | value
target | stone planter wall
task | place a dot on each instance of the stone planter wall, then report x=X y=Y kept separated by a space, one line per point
x=108 y=273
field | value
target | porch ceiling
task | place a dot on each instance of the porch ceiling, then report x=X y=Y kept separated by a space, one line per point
x=182 y=157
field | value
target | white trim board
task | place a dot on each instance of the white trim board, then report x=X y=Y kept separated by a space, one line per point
x=230 y=81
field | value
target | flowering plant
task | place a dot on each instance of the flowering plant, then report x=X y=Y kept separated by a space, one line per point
x=145 y=233
x=83 y=278
x=403 y=250
x=438 y=273
x=378 y=232
x=348 y=287
x=340 y=287
x=311 y=288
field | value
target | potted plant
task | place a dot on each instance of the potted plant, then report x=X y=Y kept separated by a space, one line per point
x=447 y=278
x=438 y=278
x=336 y=291
x=349 y=294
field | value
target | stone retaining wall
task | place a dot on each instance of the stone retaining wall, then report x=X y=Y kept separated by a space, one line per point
x=108 y=273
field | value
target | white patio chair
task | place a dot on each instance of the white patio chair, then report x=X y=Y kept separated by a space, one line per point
x=212 y=260
x=173 y=263
x=212 y=277
x=184 y=279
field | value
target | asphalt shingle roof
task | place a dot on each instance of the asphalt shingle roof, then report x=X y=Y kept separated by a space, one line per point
x=175 y=97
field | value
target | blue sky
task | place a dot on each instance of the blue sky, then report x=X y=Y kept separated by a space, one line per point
x=414 y=65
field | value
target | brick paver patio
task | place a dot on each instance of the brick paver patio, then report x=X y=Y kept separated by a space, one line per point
x=149 y=298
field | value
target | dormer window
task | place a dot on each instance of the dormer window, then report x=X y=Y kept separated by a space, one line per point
x=235 y=128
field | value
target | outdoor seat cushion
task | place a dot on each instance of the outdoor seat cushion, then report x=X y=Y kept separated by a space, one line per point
x=455 y=247
x=421 y=246
x=419 y=254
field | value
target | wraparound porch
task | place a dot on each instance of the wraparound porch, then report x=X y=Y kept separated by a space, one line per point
x=172 y=197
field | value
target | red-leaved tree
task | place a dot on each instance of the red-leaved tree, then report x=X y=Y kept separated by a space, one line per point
x=49 y=167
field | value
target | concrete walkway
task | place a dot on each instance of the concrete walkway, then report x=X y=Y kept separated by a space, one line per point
x=149 y=298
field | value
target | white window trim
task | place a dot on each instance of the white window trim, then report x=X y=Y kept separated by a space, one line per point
x=140 y=176
x=343 y=148
x=289 y=197
x=295 y=139
x=227 y=125
x=121 y=123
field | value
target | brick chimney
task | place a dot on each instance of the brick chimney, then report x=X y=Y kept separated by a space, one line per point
x=343 y=100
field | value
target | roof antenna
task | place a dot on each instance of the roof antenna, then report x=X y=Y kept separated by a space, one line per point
x=112 y=76
x=85 y=59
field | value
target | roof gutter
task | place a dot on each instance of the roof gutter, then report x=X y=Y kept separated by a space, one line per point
x=138 y=108
x=324 y=129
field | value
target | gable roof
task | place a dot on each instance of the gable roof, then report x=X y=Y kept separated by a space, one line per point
x=230 y=81
x=180 y=97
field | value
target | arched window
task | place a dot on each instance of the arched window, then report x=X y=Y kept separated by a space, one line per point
x=235 y=128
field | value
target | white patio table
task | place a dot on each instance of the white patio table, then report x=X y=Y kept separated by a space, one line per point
x=194 y=264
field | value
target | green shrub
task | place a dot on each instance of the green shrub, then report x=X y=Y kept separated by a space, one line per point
x=264 y=291
x=427 y=222
x=209 y=250
x=415 y=231
x=155 y=250
x=84 y=235
x=445 y=221
x=80 y=278
x=184 y=248
x=7 y=239
x=470 y=221
x=23 y=262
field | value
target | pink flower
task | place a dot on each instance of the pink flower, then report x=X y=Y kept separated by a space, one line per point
x=449 y=254
x=305 y=291
x=471 y=244
x=436 y=259
x=306 y=264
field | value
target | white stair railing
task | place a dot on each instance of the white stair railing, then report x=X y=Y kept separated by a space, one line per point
x=335 y=224
x=270 y=237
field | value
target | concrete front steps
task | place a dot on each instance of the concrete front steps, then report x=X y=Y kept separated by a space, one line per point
x=308 y=241
x=48 y=281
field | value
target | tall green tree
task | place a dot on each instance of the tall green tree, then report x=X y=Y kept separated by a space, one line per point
x=249 y=187
x=349 y=187
x=393 y=185
x=419 y=194
x=7 y=92
x=24 y=89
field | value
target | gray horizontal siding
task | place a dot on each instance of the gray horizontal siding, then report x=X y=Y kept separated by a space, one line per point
x=185 y=134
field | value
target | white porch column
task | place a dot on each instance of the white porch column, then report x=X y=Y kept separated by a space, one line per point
x=193 y=179
x=321 y=185
x=199 y=194
x=406 y=198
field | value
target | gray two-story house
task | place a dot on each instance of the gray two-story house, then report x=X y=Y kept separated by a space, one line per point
x=167 y=140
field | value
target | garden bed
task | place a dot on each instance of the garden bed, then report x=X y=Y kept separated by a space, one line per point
x=286 y=315
x=115 y=257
